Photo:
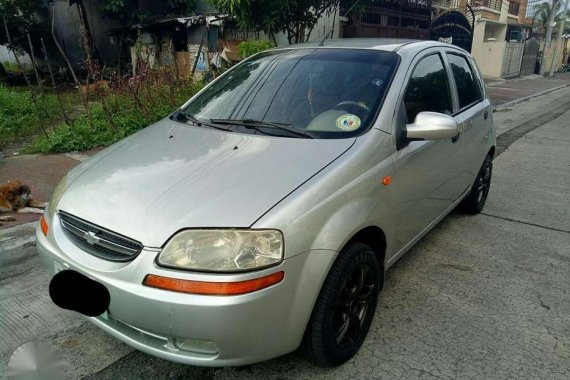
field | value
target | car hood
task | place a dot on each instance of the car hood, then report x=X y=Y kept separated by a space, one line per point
x=171 y=176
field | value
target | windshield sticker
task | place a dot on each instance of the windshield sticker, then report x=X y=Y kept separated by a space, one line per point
x=348 y=122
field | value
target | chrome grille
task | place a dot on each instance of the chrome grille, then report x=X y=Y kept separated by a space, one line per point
x=99 y=241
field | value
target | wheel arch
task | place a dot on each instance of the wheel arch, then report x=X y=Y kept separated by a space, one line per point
x=375 y=238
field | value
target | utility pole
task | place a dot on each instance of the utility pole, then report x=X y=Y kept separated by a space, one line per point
x=559 y=37
x=549 y=27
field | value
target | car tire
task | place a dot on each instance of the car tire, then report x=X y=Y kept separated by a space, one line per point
x=475 y=201
x=345 y=307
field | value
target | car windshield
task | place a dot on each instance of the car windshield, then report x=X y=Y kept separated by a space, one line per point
x=322 y=93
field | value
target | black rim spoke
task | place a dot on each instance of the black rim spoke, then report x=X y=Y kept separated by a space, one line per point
x=352 y=306
x=484 y=182
x=341 y=332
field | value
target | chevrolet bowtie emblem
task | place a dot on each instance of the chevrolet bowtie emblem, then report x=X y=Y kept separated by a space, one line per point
x=91 y=238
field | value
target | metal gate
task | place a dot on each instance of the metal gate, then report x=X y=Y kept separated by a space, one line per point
x=452 y=27
x=530 y=55
x=512 y=60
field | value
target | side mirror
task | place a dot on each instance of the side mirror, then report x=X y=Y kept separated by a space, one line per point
x=432 y=126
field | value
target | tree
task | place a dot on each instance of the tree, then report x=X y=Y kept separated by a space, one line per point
x=128 y=12
x=542 y=14
x=297 y=18
x=303 y=15
x=181 y=7
x=265 y=15
x=21 y=18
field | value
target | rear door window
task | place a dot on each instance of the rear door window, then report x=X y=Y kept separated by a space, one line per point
x=428 y=88
x=468 y=90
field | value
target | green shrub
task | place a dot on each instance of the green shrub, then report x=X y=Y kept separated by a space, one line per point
x=127 y=111
x=251 y=47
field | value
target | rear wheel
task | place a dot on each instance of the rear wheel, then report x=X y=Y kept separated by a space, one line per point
x=345 y=308
x=475 y=201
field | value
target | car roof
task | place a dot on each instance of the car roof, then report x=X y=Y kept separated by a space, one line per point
x=384 y=44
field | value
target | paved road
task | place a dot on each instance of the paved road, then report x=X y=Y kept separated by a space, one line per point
x=480 y=297
x=506 y=91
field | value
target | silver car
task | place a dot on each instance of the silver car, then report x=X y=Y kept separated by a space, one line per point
x=262 y=215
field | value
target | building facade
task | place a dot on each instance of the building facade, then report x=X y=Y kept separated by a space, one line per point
x=386 y=18
x=499 y=30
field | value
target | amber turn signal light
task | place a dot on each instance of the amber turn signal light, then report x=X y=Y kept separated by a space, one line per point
x=44 y=226
x=212 y=288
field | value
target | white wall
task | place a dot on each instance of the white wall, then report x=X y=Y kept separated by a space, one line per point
x=489 y=55
x=7 y=56
x=323 y=27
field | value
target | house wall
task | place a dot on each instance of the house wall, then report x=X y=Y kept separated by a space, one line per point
x=519 y=18
x=489 y=55
x=67 y=31
x=490 y=14
x=100 y=26
x=555 y=55
x=67 y=28
x=522 y=11
x=504 y=11
x=325 y=25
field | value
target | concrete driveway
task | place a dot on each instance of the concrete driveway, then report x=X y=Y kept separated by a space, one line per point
x=480 y=297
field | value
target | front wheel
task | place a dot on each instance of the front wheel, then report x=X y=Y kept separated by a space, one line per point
x=345 y=307
x=475 y=201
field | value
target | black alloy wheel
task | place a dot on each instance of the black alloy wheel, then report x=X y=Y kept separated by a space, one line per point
x=345 y=307
x=475 y=201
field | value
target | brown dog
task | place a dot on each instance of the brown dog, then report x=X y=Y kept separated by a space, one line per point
x=15 y=197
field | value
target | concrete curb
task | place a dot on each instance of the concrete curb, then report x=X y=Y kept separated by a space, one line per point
x=507 y=105
x=17 y=243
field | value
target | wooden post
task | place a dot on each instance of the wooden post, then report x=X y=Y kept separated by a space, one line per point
x=21 y=67
x=199 y=51
x=38 y=79
x=77 y=83
x=61 y=105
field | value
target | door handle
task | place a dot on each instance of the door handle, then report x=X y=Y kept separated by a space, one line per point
x=486 y=116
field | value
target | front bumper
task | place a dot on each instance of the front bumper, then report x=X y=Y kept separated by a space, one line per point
x=194 y=329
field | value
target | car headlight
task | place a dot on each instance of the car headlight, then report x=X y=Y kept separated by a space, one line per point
x=57 y=194
x=223 y=250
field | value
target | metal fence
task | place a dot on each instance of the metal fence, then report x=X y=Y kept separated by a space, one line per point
x=528 y=65
x=513 y=59
x=493 y=4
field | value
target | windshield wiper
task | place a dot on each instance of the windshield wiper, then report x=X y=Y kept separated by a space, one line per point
x=257 y=124
x=184 y=117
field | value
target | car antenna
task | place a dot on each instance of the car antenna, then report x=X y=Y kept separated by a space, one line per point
x=330 y=33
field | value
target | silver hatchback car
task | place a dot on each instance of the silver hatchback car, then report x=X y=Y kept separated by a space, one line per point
x=262 y=215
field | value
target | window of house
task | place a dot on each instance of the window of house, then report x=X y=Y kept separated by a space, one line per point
x=514 y=8
x=428 y=88
x=468 y=89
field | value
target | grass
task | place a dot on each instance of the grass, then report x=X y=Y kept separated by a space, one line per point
x=114 y=113
x=19 y=116
x=11 y=67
